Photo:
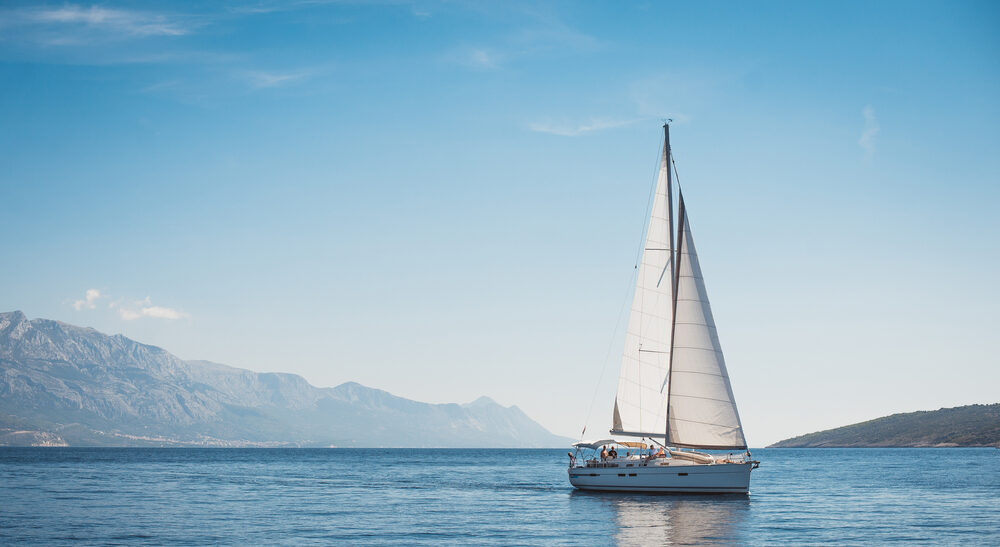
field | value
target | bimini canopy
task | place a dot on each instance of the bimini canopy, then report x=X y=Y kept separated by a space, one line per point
x=632 y=444
x=603 y=442
x=594 y=445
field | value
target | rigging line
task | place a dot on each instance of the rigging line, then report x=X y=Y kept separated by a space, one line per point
x=673 y=162
x=648 y=211
x=628 y=289
x=607 y=355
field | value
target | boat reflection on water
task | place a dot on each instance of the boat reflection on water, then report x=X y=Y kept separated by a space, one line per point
x=667 y=520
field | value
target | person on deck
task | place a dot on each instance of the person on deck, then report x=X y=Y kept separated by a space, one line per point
x=604 y=453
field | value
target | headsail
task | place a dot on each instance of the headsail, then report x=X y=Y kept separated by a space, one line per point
x=701 y=408
x=641 y=403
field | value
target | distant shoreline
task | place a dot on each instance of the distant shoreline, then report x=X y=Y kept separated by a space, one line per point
x=970 y=426
x=772 y=447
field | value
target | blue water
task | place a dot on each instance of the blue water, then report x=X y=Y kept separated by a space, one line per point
x=363 y=496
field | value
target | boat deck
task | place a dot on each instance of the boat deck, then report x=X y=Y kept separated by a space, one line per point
x=646 y=462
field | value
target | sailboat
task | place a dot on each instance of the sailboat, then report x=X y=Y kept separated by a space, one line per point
x=674 y=394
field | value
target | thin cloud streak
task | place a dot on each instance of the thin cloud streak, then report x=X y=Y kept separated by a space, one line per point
x=476 y=58
x=266 y=79
x=74 y=24
x=574 y=130
x=158 y=312
x=129 y=310
x=541 y=35
x=129 y=22
x=867 y=140
x=145 y=308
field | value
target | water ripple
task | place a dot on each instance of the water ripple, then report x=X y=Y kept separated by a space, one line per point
x=370 y=496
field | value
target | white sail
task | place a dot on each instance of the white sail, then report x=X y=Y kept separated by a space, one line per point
x=673 y=382
x=701 y=408
x=641 y=403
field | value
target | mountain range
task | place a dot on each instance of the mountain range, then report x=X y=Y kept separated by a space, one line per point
x=62 y=384
x=971 y=425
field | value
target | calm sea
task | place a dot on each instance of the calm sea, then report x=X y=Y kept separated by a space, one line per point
x=395 y=496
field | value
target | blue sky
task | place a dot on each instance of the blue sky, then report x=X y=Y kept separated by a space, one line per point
x=444 y=199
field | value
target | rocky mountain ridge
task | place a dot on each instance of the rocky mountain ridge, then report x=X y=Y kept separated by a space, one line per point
x=62 y=384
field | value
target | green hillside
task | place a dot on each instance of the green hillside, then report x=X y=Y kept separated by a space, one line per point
x=973 y=425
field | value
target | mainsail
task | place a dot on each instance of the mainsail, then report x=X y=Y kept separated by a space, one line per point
x=701 y=407
x=673 y=381
x=641 y=403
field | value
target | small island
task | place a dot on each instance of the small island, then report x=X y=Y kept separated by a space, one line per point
x=971 y=425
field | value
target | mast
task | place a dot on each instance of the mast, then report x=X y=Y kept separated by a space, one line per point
x=673 y=265
x=670 y=203
x=673 y=316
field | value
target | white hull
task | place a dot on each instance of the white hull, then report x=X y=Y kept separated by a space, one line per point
x=729 y=478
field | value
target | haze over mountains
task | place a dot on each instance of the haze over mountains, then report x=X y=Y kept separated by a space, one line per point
x=66 y=385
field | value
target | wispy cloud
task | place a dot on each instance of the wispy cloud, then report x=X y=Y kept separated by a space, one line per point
x=161 y=86
x=265 y=79
x=577 y=129
x=867 y=140
x=676 y=94
x=150 y=311
x=657 y=96
x=74 y=25
x=551 y=35
x=130 y=311
x=257 y=9
x=89 y=301
x=114 y=20
x=477 y=58
x=537 y=34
